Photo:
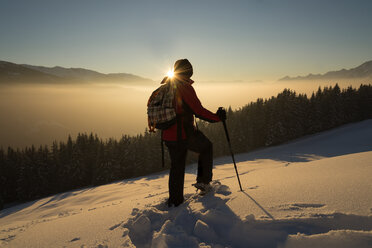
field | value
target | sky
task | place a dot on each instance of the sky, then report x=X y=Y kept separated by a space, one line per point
x=224 y=40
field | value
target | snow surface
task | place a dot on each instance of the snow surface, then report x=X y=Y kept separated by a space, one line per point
x=313 y=192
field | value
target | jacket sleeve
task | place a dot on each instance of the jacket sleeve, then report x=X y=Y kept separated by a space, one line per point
x=189 y=96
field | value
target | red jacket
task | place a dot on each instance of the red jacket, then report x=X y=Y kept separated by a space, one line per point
x=187 y=105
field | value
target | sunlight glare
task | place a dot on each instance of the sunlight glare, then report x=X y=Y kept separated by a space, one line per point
x=170 y=73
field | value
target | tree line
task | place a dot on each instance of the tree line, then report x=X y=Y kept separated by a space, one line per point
x=289 y=116
x=32 y=173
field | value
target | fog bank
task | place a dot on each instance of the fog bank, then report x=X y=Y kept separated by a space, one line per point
x=39 y=114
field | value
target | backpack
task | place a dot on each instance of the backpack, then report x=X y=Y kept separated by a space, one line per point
x=161 y=111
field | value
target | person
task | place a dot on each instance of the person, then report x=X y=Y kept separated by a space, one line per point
x=183 y=135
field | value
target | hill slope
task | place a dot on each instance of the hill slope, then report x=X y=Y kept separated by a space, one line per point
x=87 y=75
x=313 y=192
x=17 y=73
x=10 y=72
x=362 y=71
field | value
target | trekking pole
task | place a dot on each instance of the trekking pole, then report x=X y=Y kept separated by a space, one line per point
x=232 y=154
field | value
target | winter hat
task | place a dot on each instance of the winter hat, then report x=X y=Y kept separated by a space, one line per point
x=183 y=68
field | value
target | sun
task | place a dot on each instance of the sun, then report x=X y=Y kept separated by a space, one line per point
x=170 y=73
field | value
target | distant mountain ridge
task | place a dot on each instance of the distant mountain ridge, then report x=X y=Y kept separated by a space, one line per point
x=362 y=71
x=11 y=72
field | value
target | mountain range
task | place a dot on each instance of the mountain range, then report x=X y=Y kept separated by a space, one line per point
x=22 y=73
x=362 y=71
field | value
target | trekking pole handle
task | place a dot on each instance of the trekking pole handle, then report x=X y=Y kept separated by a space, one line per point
x=225 y=127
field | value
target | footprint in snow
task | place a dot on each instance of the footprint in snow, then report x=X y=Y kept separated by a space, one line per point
x=8 y=239
x=253 y=187
x=115 y=226
x=308 y=205
x=75 y=239
x=300 y=206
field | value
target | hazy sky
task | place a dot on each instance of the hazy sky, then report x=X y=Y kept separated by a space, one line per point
x=224 y=40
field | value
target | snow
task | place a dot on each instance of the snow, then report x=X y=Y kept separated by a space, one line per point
x=312 y=192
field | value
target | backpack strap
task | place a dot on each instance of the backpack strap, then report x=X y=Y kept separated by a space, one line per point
x=151 y=126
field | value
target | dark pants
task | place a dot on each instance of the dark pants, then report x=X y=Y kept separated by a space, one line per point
x=196 y=142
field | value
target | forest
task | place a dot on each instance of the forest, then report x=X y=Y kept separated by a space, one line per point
x=87 y=160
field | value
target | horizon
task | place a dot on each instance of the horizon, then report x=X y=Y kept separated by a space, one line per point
x=247 y=41
x=214 y=81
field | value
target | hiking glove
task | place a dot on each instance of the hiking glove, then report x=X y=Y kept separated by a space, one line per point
x=221 y=114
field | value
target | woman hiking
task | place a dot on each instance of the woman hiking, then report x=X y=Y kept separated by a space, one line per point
x=184 y=136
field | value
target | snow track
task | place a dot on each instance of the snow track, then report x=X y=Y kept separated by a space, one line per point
x=209 y=222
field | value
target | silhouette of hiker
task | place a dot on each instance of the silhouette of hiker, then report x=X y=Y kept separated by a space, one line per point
x=183 y=135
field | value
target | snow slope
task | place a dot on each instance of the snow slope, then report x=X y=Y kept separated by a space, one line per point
x=313 y=192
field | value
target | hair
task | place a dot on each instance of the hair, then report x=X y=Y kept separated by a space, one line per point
x=183 y=68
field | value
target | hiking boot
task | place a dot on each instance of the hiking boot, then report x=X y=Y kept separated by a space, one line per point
x=203 y=187
x=173 y=204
